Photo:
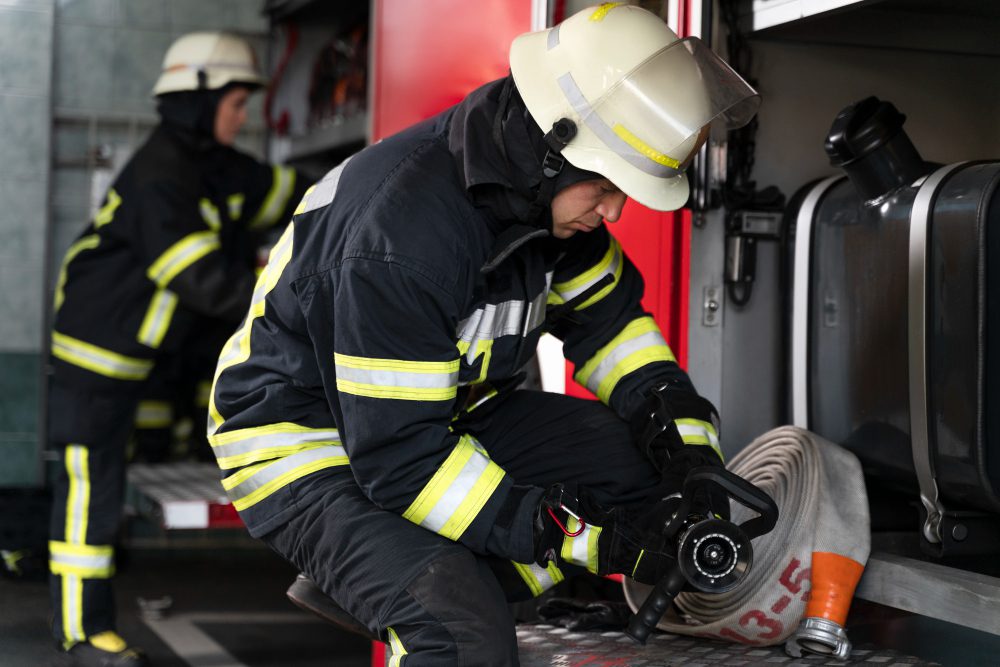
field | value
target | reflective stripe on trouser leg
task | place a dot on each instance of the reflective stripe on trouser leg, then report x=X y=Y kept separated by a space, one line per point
x=86 y=509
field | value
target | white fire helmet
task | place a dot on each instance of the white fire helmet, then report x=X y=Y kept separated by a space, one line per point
x=642 y=100
x=207 y=61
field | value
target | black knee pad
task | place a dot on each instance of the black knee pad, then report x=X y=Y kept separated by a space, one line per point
x=466 y=601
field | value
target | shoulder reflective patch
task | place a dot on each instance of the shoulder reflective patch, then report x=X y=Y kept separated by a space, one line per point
x=237 y=348
x=612 y=262
x=539 y=579
x=181 y=255
x=457 y=492
x=252 y=484
x=640 y=343
x=210 y=214
x=581 y=549
x=98 y=360
x=88 y=242
x=396 y=378
x=262 y=443
x=282 y=187
x=156 y=322
x=322 y=193
x=107 y=212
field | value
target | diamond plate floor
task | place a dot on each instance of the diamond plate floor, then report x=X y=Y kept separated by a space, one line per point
x=558 y=647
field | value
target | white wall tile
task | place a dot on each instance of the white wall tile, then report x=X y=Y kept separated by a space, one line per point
x=24 y=137
x=83 y=66
x=25 y=48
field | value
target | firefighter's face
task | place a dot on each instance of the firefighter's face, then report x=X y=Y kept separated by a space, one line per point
x=582 y=207
x=230 y=115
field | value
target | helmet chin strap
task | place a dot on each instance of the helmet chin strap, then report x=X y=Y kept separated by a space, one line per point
x=562 y=132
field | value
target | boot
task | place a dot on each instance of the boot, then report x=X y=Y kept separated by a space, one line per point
x=105 y=649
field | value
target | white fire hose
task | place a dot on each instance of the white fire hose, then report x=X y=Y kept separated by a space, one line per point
x=805 y=570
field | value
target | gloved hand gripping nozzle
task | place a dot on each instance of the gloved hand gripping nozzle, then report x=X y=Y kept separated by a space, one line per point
x=713 y=554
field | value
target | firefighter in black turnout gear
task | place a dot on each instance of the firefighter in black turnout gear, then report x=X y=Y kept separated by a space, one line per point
x=169 y=255
x=366 y=414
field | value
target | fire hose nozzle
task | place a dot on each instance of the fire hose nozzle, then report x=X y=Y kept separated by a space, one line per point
x=819 y=636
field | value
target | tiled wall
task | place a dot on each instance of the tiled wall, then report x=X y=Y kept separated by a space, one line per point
x=75 y=77
x=26 y=28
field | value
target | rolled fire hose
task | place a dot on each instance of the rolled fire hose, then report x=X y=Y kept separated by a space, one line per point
x=804 y=572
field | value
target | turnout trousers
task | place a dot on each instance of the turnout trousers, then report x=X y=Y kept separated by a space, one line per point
x=432 y=600
x=90 y=431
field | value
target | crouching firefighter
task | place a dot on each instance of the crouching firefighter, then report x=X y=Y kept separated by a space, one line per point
x=170 y=253
x=366 y=416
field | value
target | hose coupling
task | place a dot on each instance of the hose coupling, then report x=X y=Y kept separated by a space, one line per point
x=819 y=636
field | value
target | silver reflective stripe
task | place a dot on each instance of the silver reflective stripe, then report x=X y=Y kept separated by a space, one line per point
x=580 y=547
x=324 y=191
x=553 y=38
x=542 y=576
x=457 y=491
x=92 y=562
x=387 y=378
x=612 y=268
x=72 y=594
x=282 y=184
x=272 y=441
x=617 y=355
x=99 y=360
x=688 y=430
x=210 y=214
x=157 y=319
x=580 y=104
x=181 y=255
x=272 y=471
x=503 y=319
x=79 y=497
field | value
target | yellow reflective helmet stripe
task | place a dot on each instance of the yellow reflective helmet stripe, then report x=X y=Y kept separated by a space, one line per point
x=457 y=492
x=581 y=549
x=612 y=262
x=99 y=360
x=252 y=484
x=237 y=348
x=282 y=186
x=640 y=343
x=539 y=579
x=644 y=148
x=107 y=212
x=88 y=242
x=698 y=432
x=154 y=414
x=397 y=378
x=262 y=443
x=157 y=319
x=210 y=214
x=603 y=10
x=181 y=255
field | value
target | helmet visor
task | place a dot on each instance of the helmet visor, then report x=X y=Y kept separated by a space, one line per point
x=656 y=116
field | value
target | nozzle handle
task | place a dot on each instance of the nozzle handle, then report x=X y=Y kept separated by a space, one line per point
x=652 y=610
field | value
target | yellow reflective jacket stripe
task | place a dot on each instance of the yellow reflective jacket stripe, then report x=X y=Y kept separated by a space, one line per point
x=396 y=378
x=234 y=203
x=210 y=214
x=252 y=484
x=107 y=212
x=157 y=319
x=459 y=489
x=88 y=242
x=261 y=443
x=396 y=646
x=282 y=186
x=98 y=360
x=154 y=414
x=581 y=549
x=237 y=348
x=539 y=579
x=181 y=255
x=612 y=262
x=640 y=343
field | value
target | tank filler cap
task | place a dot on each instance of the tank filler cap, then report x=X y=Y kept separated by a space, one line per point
x=861 y=129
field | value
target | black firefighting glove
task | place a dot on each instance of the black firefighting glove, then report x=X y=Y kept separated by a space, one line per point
x=678 y=430
x=604 y=541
